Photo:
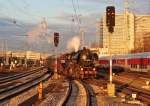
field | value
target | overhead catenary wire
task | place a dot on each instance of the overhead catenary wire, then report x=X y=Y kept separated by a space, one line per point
x=80 y=21
x=148 y=8
x=76 y=15
x=19 y=10
x=23 y=11
x=76 y=8
x=11 y=20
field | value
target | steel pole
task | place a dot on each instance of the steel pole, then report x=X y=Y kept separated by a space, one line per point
x=110 y=59
x=110 y=85
x=56 y=63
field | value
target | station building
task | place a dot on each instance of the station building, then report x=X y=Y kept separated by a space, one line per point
x=22 y=55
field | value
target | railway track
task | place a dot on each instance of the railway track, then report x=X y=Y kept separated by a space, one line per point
x=72 y=94
x=19 y=75
x=142 y=94
x=91 y=96
x=18 y=79
x=140 y=74
x=80 y=94
x=14 y=85
x=128 y=88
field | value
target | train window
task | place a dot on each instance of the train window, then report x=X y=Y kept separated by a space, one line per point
x=143 y=66
x=140 y=66
x=131 y=65
x=135 y=65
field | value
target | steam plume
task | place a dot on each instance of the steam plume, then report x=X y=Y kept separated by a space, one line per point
x=74 y=44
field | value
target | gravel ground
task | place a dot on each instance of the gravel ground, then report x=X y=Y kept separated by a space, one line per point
x=102 y=98
x=55 y=93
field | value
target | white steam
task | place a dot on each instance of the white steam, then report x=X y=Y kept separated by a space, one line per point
x=74 y=44
x=50 y=39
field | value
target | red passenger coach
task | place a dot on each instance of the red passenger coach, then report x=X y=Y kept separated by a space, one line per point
x=146 y=61
x=135 y=62
x=119 y=61
x=103 y=61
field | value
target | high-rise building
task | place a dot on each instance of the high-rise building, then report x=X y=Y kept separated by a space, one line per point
x=129 y=33
x=146 y=41
x=142 y=31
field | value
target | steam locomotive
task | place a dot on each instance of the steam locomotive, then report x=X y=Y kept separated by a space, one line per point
x=81 y=64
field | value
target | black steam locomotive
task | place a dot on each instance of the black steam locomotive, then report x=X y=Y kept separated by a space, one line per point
x=83 y=63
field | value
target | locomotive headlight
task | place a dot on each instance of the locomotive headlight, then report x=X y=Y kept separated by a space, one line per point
x=84 y=57
x=94 y=69
x=81 y=69
x=15 y=61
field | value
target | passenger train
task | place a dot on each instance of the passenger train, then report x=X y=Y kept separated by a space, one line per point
x=139 y=62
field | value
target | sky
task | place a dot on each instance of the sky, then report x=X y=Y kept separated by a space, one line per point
x=20 y=17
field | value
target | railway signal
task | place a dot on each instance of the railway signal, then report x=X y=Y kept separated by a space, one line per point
x=110 y=22
x=110 y=18
x=56 y=42
x=56 y=38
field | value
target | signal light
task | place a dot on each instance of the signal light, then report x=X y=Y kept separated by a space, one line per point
x=111 y=29
x=110 y=18
x=56 y=39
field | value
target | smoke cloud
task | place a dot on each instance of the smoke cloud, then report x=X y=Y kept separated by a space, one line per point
x=38 y=32
x=74 y=44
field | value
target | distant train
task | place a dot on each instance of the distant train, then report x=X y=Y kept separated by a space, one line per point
x=81 y=63
x=139 y=62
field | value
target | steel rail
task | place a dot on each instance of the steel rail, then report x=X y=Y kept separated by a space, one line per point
x=17 y=76
x=142 y=94
x=71 y=97
x=90 y=94
x=38 y=73
x=9 y=93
